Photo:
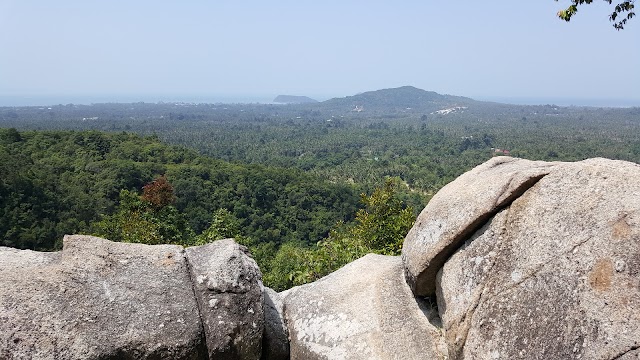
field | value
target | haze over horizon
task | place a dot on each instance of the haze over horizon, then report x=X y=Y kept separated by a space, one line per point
x=202 y=51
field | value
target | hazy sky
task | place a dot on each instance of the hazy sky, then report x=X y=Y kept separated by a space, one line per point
x=481 y=49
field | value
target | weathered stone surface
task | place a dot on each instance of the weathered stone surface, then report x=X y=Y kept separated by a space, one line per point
x=555 y=275
x=98 y=299
x=275 y=340
x=363 y=311
x=458 y=209
x=229 y=291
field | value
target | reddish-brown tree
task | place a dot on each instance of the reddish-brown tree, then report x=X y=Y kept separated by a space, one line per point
x=158 y=193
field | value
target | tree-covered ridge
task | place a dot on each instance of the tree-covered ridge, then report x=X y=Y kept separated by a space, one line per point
x=54 y=183
x=395 y=99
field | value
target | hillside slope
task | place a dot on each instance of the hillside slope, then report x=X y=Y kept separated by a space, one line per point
x=395 y=99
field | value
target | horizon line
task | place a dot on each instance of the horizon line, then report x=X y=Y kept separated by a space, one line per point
x=25 y=100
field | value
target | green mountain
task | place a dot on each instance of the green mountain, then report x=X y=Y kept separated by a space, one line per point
x=397 y=99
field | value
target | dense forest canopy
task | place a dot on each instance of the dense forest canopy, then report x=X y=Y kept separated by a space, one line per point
x=58 y=182
x=425 y=138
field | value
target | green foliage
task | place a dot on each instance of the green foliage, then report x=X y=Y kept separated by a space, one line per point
x=383 y=223
x=380 y=227
x=625 y=7
x=54 y=183
x=330 y=141
x=290 y=266
x=11 y=136
x=224 y=225
x=140 y=221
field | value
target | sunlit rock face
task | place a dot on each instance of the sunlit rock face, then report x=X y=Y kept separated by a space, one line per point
x=552 y=273
x=98 y=299
x=458 y=209
x=228 y=286
x=365 y=310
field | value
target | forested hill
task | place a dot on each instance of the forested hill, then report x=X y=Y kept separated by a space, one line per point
x=62 y=182
x=389 y=100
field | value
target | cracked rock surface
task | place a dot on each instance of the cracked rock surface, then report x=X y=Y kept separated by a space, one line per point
x=97 y=299
x=275 y=340
x=229 y=291
x=553 y=274
x=364 y=310
x=458 y=209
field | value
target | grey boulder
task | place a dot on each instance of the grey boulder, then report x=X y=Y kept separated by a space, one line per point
x=97 y=299
x=228 y=288
x=553 y=274
x=458 y=209
x=364 y=310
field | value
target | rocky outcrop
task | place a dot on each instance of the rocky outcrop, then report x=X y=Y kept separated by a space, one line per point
x=98 y=299
x=365 y=310
x=552 y=273
x=457 y=210
x=228 y=287
x=275 y=344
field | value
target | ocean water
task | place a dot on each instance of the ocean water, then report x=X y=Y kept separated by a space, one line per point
x=44 y=100
x=562 y=101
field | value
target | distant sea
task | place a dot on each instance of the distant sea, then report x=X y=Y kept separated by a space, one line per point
x=40 y=100
x=561 y=101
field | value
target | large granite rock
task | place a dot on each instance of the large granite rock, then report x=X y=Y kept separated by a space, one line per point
x=229 y=291
x=98 y=299
x=275 y=340
x=458 y=209
x=555 y=274
x=365 y=310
